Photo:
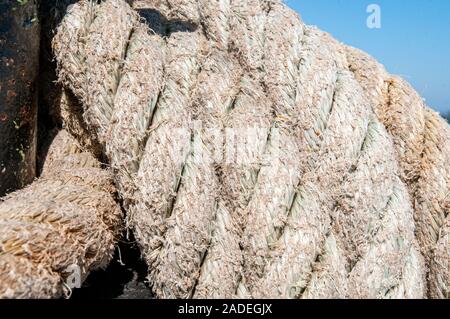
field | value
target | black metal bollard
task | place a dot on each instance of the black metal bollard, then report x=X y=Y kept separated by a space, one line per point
x=19 y=69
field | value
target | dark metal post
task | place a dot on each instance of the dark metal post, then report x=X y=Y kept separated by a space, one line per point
x=19 y=68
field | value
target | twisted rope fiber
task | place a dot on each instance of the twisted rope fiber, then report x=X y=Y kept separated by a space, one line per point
x=68 y=217
x=318 y=212
x=421 y=139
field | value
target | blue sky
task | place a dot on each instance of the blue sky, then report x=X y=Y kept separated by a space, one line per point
x=413 y=41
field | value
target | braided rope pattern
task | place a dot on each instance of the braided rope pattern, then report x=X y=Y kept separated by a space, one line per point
x=315 y=209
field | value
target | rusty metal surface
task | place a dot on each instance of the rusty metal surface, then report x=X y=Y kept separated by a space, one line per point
x=19 y=67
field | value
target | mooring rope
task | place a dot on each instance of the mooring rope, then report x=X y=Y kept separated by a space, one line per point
x=60 y=228
x=421 y=140
x=315 y=208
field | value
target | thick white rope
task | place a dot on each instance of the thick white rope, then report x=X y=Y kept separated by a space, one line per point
x=321 y=194
x=421 y=140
